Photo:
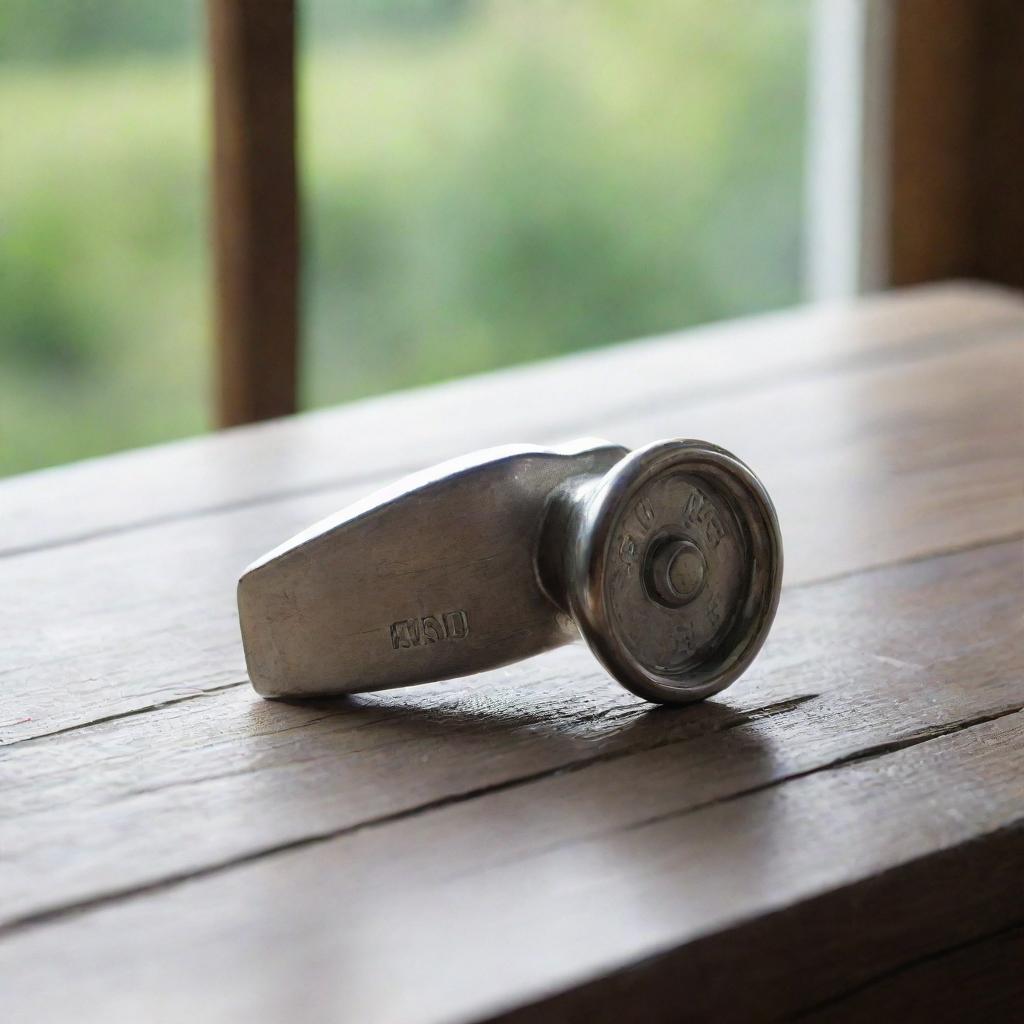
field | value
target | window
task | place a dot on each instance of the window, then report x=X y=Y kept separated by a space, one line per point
x=492 y=182
x=484 y=182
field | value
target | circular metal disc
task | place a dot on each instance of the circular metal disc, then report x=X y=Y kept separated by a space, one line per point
x=677 y=570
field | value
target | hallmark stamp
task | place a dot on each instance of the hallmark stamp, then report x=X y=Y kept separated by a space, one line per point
x=628 y=551
x=429 y=629
x=644 y=512
x=700 y=512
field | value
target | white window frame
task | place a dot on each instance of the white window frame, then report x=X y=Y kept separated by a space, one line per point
x=846 y=211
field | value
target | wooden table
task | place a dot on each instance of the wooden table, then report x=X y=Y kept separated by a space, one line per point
x=840 y=835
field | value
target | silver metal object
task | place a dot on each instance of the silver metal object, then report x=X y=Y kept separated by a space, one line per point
x=667 y=560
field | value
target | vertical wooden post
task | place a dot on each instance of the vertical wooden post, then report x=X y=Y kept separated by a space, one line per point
x=255 y=207
x=957 y=141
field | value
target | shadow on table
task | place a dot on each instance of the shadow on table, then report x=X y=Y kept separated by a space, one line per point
x=398 y=753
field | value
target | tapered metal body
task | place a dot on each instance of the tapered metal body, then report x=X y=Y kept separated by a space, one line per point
x=667 y=560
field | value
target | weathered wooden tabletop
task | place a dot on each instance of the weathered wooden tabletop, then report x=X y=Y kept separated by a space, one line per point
x=838 y=835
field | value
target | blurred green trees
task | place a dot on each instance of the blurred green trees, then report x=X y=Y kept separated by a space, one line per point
x=485 y=182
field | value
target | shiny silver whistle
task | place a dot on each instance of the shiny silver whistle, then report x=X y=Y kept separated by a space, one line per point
x=667 y=560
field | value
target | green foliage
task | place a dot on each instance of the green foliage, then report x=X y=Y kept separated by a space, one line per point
x=48 y=30
x=550 y=176
x=526 y=178
x=102 y=260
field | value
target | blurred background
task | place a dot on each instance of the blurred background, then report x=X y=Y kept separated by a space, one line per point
x=484 y=182
x=479 y=183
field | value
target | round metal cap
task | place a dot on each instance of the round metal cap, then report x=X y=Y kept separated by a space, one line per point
x=676 y=570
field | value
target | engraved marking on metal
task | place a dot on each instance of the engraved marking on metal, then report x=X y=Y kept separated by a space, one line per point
x=700 y=512
x=644 y=512
x=428 y=629
x=714 y=612
x=628 y=552
x=682 y=634
x=457 y=624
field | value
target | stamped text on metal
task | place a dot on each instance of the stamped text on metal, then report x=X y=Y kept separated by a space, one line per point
x=429 y=630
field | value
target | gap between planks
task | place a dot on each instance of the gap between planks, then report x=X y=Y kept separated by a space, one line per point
x=743 y=718
x=936 y=446
x=821 y=963
x=913 y=349
x=694 y=729
x=843 y=885
x=815 y=1011
x=42 y=917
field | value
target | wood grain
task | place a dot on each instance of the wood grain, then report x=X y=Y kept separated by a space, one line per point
x=980 y=980
x=839 y=830
x=376 y=440
x=406 y=924
x=269 y=775
x=828 y=949
x=867 y=466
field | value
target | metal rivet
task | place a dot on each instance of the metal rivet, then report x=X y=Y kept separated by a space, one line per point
x=676 y=571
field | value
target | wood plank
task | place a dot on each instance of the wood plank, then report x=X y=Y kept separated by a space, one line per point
x=268 y=776
x=436 y=932
x=982 y=980
x=382 y=438
x=255 y=207
x=822 y=950
x=867 y=467
x=533 y=843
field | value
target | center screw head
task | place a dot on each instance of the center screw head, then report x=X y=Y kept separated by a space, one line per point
x=676 y=571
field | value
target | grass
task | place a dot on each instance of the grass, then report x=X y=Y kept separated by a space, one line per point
x=533 y=178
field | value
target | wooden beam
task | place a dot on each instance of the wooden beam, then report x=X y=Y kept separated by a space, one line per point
x=957 y=141
x=255 y=207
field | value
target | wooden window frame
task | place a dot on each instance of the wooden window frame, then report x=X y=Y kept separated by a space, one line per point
x=916 y=142
x=255 y=208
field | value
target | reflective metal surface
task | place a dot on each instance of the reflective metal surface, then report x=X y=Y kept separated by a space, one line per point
x=667 y=560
